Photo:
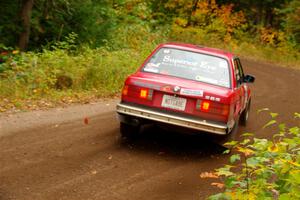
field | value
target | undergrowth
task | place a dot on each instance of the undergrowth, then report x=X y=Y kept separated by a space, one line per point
x=245 y=46
x=66 y=71
x=261 y=168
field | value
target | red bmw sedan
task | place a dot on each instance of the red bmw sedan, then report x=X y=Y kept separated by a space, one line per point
x=189 y=86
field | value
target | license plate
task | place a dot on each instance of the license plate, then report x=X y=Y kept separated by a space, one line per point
x=177 y=103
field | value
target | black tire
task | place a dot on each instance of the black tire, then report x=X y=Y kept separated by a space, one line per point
x=129 y=131
x=233 y=135
x=245 y=114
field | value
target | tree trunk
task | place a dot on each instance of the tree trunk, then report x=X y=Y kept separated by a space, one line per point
x=269 y=17
x=193 y=9
x=25 y=15
x=259 y=15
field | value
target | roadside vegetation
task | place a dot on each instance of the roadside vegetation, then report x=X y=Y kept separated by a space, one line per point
x=75 y=51
x=261 y=168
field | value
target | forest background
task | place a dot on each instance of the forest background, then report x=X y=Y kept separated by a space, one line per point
x=62 y=51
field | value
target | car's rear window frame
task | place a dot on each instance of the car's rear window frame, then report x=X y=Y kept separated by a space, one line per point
x=228 y=64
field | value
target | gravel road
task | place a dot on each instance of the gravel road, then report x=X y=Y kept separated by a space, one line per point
x=76 y=152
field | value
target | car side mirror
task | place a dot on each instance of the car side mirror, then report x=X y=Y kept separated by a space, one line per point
x=249 y=79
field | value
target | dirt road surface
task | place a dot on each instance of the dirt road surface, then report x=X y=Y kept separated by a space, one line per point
x=55 y=155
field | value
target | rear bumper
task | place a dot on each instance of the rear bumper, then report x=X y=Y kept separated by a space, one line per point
x=202 y=125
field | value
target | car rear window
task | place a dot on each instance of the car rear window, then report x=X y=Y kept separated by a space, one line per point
x=189 y=65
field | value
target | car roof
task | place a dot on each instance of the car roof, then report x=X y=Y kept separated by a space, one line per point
x=200 y=49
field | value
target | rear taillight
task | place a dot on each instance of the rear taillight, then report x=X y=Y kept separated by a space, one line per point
x=212 y=107
x=146 y=93
x=203 y=105
x=137 y=92
x=125 y=90
x=143 y=93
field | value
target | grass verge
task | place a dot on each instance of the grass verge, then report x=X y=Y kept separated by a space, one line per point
x=30 y=80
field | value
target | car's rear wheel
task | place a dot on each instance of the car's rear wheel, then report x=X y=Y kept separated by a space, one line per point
x=129 y=131
x=245 y=114
x=231 y=136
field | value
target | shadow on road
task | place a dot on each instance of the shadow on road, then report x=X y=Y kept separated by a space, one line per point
x=153 y=139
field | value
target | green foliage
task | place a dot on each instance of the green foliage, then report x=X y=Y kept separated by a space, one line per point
x=291 y=24
x=219 y=23
x=68 y=44
x=8 y=55
x=98 y=71
x=51 y=21
x=9 y=23
x=93 y=21
x=264 y=169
